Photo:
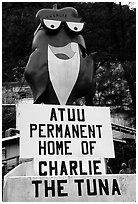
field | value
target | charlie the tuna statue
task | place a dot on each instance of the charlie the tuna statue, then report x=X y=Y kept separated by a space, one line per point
x=59 y=71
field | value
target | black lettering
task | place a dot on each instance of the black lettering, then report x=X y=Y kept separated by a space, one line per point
x=84 y=147
x=42 y=147
x=67 y=148
x=49 y=188
x=60 y=188
x=81 y=116
x=59 y=147
x=79 y=181
x=103 y=186
x=82 y=131
x=91 y=131
x=99 y=130
x=95 y=167
x=69 y=115
x=89 y=189
x=53 y=115
x=91 y=146
x=41 y=130
x=81 y=169
x=115 y=187
x=59 y=131
x=75 y=131
x=61 y=113
x=73 y=167
x=50 y=128
x=67 y=132
x=90 y=167
x=63 y=168
x=51 y=147
x=36 y=183
x=41 y=173
x=32 y=128
x=53 y=168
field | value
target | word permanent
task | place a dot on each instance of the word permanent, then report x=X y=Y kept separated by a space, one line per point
x=65 y=131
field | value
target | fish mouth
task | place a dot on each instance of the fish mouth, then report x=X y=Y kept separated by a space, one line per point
x=66 y=52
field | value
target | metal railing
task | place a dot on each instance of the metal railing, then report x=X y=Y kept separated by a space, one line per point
x=124 y=129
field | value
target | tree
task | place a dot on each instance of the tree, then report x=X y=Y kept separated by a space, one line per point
x=8 y=119
x=18 y=27
x=110 y=30
x=112 y=88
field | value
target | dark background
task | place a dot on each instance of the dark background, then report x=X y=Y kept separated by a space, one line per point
x=110 y=31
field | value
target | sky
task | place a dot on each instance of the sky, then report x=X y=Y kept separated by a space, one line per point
x=131 y=4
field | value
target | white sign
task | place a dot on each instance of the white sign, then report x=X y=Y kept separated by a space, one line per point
x=65 y=132
x=103 y=188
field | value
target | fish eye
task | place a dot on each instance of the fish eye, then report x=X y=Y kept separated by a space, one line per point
x=74 y=26
x=51 y=24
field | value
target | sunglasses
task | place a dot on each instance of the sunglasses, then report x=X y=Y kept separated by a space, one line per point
x=55 y=25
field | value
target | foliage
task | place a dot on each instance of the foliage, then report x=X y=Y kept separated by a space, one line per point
x=112 y=87
x=110 y=30
x=8 y=118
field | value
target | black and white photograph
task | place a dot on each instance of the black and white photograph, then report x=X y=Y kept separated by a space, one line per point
x=68 y=101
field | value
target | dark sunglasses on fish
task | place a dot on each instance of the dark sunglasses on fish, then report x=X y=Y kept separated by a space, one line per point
x=54 y=25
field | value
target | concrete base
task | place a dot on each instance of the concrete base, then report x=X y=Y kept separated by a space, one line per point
x=22 y=185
